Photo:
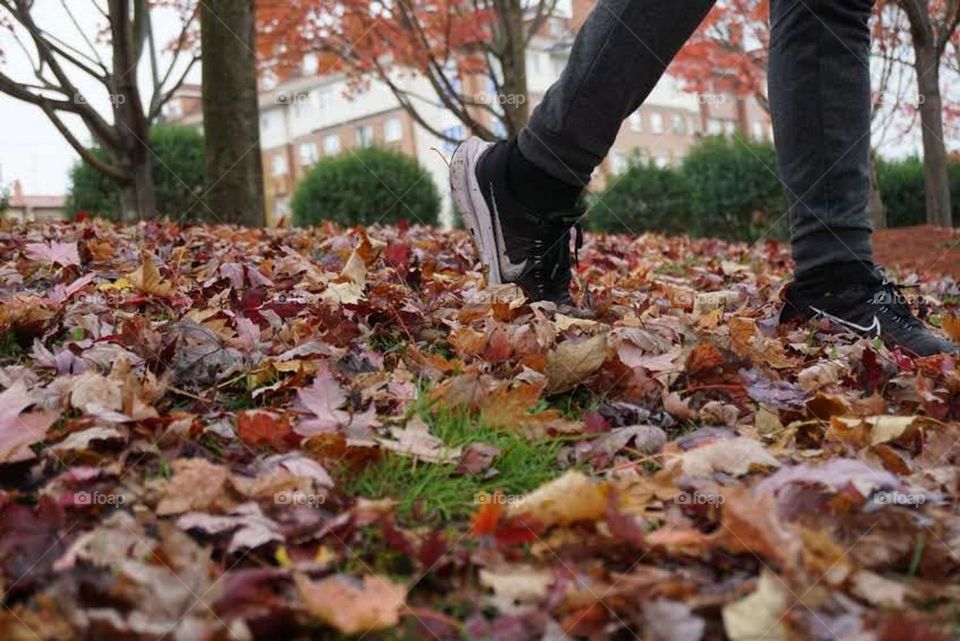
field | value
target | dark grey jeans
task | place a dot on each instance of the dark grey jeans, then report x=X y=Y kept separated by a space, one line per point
x=819 y=90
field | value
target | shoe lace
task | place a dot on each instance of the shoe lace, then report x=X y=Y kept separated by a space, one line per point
x=891 y=299
x=550 y=249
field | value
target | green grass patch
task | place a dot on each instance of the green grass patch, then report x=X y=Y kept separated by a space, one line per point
x=522 y=465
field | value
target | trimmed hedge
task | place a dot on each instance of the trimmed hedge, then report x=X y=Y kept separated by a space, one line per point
x=724 y=188
x=644 y=198
x=901 y=185
x=364 y=187
x=179 y=174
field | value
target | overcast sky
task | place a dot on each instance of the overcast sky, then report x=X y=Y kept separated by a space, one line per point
x=32 y=150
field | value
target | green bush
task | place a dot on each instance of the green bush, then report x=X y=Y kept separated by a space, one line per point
x=179 y=175
x=725 y=188
x=904 y=196
x=735 y=190
x=364 y=187
x=644 y=198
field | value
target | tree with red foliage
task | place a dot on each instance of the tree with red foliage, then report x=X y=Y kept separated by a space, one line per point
x=729 y=55
x=729 y=52
x=919 y=33
x=472 y=54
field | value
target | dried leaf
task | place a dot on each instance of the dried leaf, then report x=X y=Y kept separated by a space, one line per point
x=352 y=606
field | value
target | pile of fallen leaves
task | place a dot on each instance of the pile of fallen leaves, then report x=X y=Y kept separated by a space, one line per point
x=183 y=409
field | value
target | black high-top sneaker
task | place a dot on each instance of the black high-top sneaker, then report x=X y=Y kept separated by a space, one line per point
x=515 y=244
x=861 y=299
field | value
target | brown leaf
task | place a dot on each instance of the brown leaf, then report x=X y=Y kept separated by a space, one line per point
x=572 y=497
x=148 y=280
x=353 y=606
x=572 y=361
x=258 y=428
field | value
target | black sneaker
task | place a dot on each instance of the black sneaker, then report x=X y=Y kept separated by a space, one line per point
x=515 y=244
x=862 y=300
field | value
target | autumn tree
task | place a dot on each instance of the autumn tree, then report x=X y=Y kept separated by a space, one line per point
x=63 y=60
x=932 y=27
x=729 y=55
x=471 y=54
x=231 y=119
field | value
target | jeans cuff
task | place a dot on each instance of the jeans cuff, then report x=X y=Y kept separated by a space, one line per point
x=831 y=246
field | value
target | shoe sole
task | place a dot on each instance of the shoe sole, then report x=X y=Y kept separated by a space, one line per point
x=468 y=197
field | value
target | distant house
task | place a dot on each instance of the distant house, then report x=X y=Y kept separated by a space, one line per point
x=33 y=208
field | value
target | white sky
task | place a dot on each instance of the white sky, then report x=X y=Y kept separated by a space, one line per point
x=32 y=150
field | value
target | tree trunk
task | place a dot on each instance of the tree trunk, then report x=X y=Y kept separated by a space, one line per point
x=936 y=179
x=231 y=119
x=513 y=63
x=132 y=146
x=878 y=211
x=138 y=196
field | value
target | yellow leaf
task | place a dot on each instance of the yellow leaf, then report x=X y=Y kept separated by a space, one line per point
x=571 y=362
x=117 y=285
x=148 y=279
x=950 y=325
x=572 y=497
x=757 y=617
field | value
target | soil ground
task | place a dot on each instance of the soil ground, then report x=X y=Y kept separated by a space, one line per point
x=923 y=249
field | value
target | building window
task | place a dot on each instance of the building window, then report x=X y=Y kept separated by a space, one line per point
x=694 y=125
x=311 y=64
x=458 y=132
x=618 y=162
x=324 y=97
x=714 y=127
x=309 y=154
x=301 y=104
x=758 y=130
x=656 y=123
x=331 y=145
x=364 y=136
x=730 y=128
x=678 y=124
x=533 y=63
x=280 y=165
x=662 y=161
x=392 y=130
x=635 y=121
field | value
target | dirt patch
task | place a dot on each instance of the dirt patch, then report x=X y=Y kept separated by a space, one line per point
x=923 y=249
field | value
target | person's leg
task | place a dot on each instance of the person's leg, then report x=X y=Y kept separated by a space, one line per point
x=819 y=85
x=518 y=198
x=618 y=57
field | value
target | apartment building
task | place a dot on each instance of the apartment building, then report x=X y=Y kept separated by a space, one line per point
x=317 y=115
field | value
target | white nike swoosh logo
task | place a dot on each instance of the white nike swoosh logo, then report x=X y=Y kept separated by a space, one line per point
x=872 y=328
x=509 y=270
